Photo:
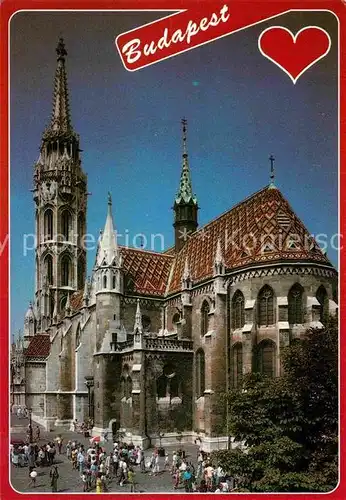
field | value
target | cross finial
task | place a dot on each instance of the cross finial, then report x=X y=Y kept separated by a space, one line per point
x=109 y=198
x=184 y=124
x=272 y=175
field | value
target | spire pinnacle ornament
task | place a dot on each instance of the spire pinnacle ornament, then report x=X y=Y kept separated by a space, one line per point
x=185 y=193
x=272 y=172
x=138 y=327
x=186 y=280
x=219 y=262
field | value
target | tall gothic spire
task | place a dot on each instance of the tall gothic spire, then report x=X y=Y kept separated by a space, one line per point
x=108 y=248
x=185 y=193
x=60 y=124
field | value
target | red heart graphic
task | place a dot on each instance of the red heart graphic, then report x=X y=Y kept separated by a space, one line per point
x=294 y=54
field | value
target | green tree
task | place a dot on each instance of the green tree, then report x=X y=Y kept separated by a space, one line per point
x=289 y=425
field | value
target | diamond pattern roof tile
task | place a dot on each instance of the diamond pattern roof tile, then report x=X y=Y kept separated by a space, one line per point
x=257 y=230
x=39 y=347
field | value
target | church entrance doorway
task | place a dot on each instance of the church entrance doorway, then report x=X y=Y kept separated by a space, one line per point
x=115 y=429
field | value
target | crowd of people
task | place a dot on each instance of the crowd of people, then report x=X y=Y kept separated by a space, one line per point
x=98 y=468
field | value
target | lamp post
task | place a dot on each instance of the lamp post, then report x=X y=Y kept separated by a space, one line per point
x=30 y=424
x=89 y=382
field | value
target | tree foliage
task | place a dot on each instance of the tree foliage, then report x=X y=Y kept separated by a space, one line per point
x=288 y=426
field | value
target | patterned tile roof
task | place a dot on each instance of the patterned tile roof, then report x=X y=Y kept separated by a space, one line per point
x=261 y=229
x=76 y=300
x=146 y=272
x=39 y=347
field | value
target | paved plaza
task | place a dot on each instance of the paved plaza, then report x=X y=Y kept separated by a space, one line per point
x=70 y=480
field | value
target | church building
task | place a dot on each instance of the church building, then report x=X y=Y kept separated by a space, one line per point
x=149 y=343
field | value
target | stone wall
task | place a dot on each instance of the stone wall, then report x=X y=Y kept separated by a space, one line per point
x=35 y=376
x=149 y=308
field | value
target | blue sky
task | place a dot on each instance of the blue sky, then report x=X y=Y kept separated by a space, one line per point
x=240 y=109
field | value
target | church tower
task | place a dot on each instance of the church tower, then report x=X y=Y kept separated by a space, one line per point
x=60 y=195
x=185 y=204
x=109 y=286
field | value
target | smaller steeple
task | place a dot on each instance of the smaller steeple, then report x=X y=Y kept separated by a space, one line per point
x=186 y=281
x=219 y=263
x=138 y=328
x=108 y=250
x=185 y=203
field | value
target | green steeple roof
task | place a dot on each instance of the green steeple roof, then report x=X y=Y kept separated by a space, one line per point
x=185 y=193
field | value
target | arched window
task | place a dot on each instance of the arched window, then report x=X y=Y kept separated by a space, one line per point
x=267 y=358
x=175 y=321
x=205 y=309
x=48 y=266
x=322 y=298
x=113 y=282
x=238 y=310
x=104 y=281
x=200 y=373
x=237 y=365
x=65 y=224
x=65 y=270
x=81 y=273
x=266 y=306
x=161 y=386
x=295 y=305
x=48 y=224
x=63 y=303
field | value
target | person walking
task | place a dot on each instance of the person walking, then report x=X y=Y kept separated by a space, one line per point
x=84 y=481
x=156 y=469
x=54 y=475
x=59 y=443
x=68 y=450
x=98 y=483
x=80 y=460
x=115 y=463
x=109 y=464
x=131 y=479
x=33 y=476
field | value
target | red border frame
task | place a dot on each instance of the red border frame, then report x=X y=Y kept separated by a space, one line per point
x=7 y=9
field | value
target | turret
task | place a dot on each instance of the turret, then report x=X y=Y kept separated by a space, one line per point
x=185 y=203
x=108 y=276
x=29 y=325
